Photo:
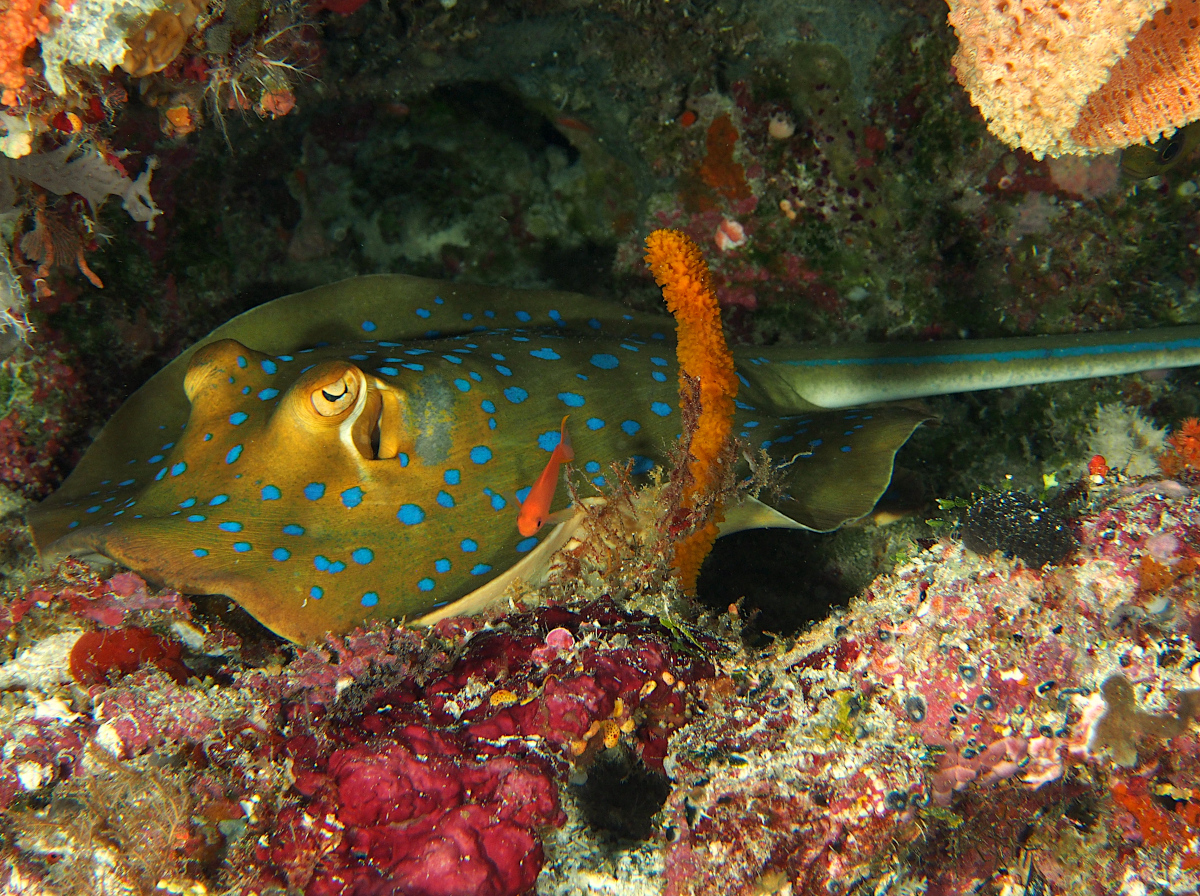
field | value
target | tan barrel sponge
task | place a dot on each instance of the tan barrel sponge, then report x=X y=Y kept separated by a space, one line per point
x=1079 y=77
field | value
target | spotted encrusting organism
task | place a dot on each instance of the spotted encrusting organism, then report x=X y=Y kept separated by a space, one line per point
x=361 y=450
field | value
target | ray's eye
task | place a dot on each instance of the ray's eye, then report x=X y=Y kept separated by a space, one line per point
x=336 y=397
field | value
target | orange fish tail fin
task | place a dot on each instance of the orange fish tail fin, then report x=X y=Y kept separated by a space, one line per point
x=566 y=452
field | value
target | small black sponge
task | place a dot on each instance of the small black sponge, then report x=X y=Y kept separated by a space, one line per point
x=1020 y=526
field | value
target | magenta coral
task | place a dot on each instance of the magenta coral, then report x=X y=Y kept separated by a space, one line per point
x=439 y=783
x=422 y=815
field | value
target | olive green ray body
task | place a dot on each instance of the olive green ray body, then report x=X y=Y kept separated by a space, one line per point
x=214 y=477
x=359 y=450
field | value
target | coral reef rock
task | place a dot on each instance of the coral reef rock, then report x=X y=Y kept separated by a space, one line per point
x=965 y=718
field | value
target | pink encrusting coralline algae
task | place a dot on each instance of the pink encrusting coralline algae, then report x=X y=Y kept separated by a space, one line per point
x=964 y=717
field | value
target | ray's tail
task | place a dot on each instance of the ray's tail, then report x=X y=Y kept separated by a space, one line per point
x=788 y=379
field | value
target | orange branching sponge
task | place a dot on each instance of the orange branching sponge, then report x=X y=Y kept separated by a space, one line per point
x=1183 y=455
x=21 y=21
x=704 y=361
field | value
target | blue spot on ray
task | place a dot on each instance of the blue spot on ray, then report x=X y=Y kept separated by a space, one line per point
x=410 y=514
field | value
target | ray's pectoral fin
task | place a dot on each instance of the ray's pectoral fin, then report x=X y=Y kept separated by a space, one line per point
x=839 y=463
x=139 y=504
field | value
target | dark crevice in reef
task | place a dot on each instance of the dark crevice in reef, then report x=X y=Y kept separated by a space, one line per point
x=786 y=579
x=621 y=796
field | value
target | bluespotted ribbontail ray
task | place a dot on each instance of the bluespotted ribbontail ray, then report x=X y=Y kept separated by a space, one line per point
x=360 y=450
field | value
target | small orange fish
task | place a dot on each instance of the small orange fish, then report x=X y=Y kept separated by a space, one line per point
x=535 y=511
